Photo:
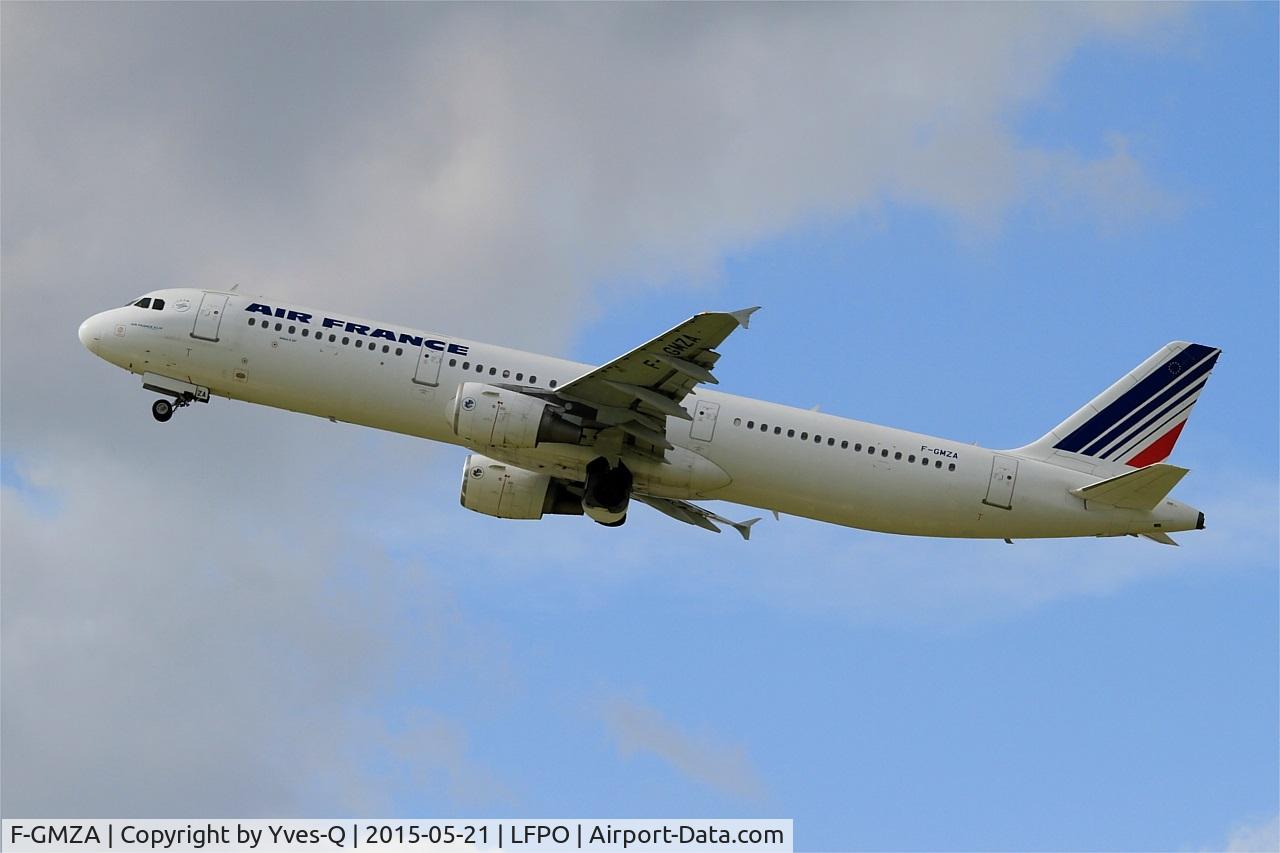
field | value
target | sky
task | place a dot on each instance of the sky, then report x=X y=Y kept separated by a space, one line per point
x=964 y=220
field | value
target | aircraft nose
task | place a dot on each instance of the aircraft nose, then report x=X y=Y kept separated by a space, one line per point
x=88 y=336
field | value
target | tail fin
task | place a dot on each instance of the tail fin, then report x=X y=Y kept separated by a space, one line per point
x=1138 y=419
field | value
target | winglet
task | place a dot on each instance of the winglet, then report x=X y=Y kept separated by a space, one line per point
x=744 y=527
x=744 y=316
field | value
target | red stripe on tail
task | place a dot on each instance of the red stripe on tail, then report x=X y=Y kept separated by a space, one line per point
x=1159 y=450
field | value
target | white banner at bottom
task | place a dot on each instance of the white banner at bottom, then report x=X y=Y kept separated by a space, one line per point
x=272 y=836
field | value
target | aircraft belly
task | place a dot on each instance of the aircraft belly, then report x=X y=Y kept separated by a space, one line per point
x=889 y=496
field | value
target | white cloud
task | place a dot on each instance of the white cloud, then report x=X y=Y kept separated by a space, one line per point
x=1255 y=838
x=477 y=169
x=160 y=650
x=639 y=728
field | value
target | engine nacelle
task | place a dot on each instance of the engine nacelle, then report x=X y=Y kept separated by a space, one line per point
x=498 y=489
x=607 y=492
x=488 y=416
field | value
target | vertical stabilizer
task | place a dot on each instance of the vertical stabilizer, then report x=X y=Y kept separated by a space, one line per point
x=1137 y=420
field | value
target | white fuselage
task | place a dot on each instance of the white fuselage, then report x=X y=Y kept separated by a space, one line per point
x=749 y=451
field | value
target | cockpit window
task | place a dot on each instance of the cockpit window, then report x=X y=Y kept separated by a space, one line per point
x=157 y=305
x=144 y=302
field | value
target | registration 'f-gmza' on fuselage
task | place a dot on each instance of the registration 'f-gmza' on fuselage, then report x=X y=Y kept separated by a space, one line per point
x=550 y=436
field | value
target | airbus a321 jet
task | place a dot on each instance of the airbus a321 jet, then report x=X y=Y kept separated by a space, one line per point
x=553 y=437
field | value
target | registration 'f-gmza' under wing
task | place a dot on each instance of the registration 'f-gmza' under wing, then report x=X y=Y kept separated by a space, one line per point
x=637 y=392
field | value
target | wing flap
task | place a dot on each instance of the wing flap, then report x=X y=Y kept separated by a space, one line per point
x=696 y=515
x=1142 y=488
x=647 y=385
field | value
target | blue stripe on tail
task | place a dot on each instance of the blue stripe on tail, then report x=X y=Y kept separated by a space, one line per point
x=1133 y=406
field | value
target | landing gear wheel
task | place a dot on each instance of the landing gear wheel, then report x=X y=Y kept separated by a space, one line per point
x=162 y=410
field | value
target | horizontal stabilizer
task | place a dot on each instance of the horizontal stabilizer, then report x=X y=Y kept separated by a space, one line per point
x=1142 y=488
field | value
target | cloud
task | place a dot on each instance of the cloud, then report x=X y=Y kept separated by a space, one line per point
x=1255 y=838
x=449 y=158
x=160 y=651
x=639 y=728
x=956 y=582
x=215 y=615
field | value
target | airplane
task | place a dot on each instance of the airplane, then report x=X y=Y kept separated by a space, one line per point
x=549 y=436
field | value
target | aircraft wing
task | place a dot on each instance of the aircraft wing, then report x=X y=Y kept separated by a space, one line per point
x=637 y=392
x=696 y=515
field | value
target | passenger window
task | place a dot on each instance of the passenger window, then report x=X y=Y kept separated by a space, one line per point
x=332 y=339
x=306 y=333
x=844 y=445
x=885 y=453
x=924 y=462
x=533 y=380
x=898 y=455
x=911 y=458
x=951 y=467
x=253 y=321
x=737 y=421
x=399 y=350
x=858 y=447
x=777 y=430
x=293 y=329
x=506 y=374
x=791 y=433
x=157 y=305
x=386 y=348
x=278 y=327
x=938 y=464
x=493 y=371
x=346 y=341
x=751 y=424
x=519 y=377
x=453 y=362
x=359 y=343
x=479 y=368
x=871 y=450
x=466 y=365
x=764 y=427
x=804 y=436
x=553 y=383
x=831 y=442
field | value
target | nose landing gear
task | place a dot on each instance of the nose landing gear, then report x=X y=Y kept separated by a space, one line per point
x=163 y=409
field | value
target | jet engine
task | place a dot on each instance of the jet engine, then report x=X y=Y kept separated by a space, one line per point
x=487 y=416
x=495 y=488
x=607 y=492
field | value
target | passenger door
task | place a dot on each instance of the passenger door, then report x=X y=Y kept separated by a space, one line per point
x=428 y=369
x=1004 y=474
x=209 y=316
x=704 y=420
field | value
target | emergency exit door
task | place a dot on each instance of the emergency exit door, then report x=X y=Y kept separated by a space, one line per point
x=1004 y=474
x=704 y=420
x=209 y=316
x=428 y=369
